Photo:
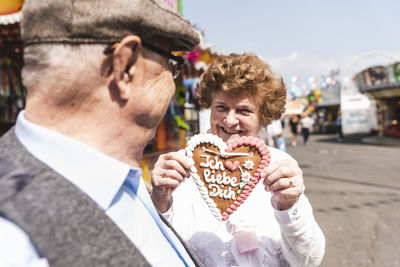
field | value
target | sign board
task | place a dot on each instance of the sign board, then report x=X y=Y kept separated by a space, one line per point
x=294 y=107
x=384 y=93
x=355 y=121
x=358 y=114
x=394 y=72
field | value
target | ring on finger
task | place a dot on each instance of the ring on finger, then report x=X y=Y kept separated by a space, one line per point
x=164 y=174
x=290 y=182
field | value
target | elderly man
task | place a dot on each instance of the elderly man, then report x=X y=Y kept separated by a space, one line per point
x=99 y=76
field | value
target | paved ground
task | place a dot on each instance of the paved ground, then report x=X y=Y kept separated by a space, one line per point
x=355 y=192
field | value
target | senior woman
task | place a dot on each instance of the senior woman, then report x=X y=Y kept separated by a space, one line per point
x=275 y=226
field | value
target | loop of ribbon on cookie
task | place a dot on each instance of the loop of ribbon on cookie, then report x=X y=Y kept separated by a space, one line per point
x=226 y=154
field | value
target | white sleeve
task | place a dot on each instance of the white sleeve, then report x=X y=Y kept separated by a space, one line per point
x=16 y=249
x=303 y=242
x=302 y=239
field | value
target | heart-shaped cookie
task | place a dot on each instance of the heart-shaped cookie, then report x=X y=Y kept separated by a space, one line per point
x=226 y=173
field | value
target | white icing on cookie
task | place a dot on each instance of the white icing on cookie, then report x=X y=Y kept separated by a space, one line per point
x=248 y=164
x=191 y=145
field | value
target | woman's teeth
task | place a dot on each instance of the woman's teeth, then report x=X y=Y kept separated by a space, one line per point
x=230 y=131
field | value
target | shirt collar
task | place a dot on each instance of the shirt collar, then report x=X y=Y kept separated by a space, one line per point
x=95 y=173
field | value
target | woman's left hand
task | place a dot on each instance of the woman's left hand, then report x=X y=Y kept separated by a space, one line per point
x=284 y=179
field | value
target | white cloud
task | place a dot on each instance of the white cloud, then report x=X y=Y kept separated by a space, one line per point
x=303 y=65
x=293 y=56
x=309 y=65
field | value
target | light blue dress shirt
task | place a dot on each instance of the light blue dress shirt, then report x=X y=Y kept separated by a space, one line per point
x=103 y=179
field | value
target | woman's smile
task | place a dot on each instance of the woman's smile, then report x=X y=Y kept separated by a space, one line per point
x=234 y=116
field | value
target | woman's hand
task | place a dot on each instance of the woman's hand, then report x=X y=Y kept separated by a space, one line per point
x=284 y=179
x=169 y=171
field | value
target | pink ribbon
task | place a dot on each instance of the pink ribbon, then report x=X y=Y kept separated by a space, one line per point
x=245 y=238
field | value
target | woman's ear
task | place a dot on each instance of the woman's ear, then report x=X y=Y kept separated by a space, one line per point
x=124 y=58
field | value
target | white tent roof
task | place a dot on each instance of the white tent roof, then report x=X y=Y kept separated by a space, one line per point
x=10 y=18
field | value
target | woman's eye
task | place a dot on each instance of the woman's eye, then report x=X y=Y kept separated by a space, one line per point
x=245 y=111
x=220 y=108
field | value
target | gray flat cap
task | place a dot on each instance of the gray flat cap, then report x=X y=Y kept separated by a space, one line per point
x=105 y=21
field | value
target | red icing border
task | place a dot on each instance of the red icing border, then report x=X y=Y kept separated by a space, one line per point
x=265 y=160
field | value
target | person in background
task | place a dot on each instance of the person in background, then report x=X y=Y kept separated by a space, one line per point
x=283 y=121
x=294 y=122
x=280 y=143
x=274 y=131
x=339 y=126
x=275 y=226
x=99 y=76
x=306 y=126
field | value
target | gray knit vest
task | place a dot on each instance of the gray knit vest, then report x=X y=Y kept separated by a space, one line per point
x=66 y=226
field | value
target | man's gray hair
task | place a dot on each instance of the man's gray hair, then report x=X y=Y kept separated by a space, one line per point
x=64 y=74
x=60 y=62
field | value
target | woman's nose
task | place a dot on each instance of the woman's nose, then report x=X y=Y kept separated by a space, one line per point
x=231 y=118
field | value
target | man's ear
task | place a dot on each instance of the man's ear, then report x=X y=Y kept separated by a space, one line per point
x=124 y=58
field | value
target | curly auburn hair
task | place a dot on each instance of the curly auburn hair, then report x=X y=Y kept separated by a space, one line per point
x=248 y=75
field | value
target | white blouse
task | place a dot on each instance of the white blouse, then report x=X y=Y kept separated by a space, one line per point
x=256 y=234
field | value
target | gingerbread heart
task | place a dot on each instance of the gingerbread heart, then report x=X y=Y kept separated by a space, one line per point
x=226 y=173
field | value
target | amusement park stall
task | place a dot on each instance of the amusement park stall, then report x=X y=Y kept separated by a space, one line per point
x=324 y=104
x=318 y=96
x=12 y=92
x=382 y=83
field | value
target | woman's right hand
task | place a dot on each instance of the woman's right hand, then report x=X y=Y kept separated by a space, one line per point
x=169 y=171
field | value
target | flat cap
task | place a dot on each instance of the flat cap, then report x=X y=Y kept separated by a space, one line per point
x=105 y=22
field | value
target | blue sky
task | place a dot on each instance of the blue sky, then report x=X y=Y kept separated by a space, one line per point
x=303 y=38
